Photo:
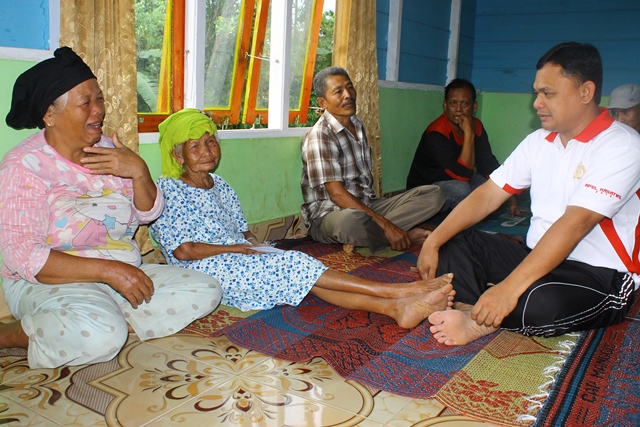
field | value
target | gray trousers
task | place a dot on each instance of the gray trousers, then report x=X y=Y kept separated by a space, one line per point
x=356 y=227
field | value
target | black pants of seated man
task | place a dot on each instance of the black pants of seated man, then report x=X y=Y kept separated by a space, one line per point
x=573 y=297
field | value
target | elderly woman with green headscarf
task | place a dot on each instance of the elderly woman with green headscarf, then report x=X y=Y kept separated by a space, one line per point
x=203 y=228
x=71 y=201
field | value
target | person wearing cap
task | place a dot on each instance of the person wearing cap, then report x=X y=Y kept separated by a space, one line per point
x=203 y=228
x=71 y=201
x=624 y=105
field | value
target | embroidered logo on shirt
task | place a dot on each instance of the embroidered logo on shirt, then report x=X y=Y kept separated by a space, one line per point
x=579 y=173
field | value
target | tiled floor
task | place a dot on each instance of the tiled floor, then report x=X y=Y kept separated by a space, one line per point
x=188 y=380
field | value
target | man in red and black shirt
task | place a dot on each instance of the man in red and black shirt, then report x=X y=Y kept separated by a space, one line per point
x=454 y=151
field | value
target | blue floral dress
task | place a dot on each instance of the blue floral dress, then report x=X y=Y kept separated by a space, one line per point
x=249 y=282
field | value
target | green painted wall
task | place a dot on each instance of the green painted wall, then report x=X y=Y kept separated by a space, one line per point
x=404 y=115
x=10 y=71
x=264 y=172
x=507 y=118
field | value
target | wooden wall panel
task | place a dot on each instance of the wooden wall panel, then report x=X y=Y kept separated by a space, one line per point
x=511 y=35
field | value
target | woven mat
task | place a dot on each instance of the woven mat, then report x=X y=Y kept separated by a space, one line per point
x=599 y=383
x=507 y=381
x=358 y=345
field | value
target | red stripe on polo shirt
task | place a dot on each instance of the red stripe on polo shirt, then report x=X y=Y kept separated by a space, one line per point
x=599 y=124
x=613 y=237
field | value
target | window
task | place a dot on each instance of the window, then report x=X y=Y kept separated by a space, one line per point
x=159 y=46
x=230 y=58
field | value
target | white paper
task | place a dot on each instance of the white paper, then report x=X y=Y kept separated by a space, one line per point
x=267 y=249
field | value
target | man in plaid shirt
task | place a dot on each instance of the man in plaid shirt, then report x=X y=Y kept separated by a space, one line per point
x=340 y=205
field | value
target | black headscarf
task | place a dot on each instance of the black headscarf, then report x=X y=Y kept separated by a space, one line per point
x=37 y=88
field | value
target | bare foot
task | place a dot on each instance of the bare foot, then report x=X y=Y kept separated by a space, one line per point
x=455 y=327
x=418 y=235
x=411 y=311
x=421 y=286
x=348 y=248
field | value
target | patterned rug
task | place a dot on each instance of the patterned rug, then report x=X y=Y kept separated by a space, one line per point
x=361 y=346
x=598 y=385
x=507 y=382
x=492 y=379
x=212 y=323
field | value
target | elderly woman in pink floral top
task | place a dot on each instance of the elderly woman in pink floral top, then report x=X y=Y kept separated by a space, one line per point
x=71 y=201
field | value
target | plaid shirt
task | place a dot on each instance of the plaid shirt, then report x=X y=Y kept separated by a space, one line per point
x=331 y=153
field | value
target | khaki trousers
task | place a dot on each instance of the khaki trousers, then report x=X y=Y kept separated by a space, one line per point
x=355 y=227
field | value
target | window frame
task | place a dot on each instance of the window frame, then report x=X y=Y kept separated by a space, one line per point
x=239 y=69
x=148 y=122
x=251 y=110
x=192 y=53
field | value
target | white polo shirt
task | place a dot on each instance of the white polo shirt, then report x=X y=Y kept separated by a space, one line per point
x=598 y=170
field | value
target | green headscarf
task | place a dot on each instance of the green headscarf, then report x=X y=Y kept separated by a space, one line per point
x=177 y=129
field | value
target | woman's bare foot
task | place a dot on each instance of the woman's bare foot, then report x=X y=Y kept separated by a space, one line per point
x=418 y=235
x=411 y=311
x=421 y=286
x=348 y=248
x=455 y=327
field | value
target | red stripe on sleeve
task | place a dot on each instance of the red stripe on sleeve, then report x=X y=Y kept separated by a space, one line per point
x=456 y=177
x=509 y=189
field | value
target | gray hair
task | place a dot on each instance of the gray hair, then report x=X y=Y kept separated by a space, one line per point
x=61 y=102
x=320 y=80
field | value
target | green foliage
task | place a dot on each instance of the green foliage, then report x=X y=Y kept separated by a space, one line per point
x=150 y=17
x=147 y=94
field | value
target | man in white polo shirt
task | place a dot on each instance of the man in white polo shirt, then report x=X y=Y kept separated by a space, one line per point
x=579 y=265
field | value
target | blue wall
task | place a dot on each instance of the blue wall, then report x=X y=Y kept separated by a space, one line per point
x=424 y=41
x=24 y=24
x=501 y=40
x=467 y=39
x=382 y=29
x=511 y=35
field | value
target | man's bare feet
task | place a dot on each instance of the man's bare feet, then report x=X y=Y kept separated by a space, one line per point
x=411 y=311
x=418 y=235
x=455 y=327
x=348 y=248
